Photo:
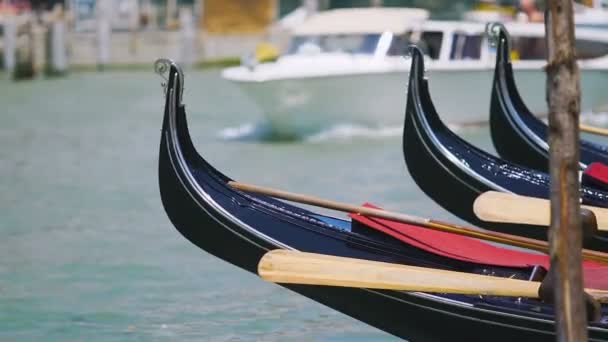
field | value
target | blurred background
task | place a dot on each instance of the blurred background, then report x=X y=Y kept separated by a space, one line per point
x=127 y=33
x=86 y=250
x=59 y=36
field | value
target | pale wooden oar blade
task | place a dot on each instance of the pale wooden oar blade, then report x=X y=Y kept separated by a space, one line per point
x=281 y=266
x=493 y=206
x=594 y=130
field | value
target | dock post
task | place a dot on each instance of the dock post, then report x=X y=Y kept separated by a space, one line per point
x=24 y=53
x=565 y=235
x=39 y=42
x=10 y=43
x=311 y=6
x=187 y=35
x=171 y=10
x=134 y=18
x=104 y=31
x=57 y=60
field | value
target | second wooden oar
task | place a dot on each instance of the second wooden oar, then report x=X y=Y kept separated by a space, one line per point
x=507 y=239
x=594 y=130
x=290 y=267
x=494 y=206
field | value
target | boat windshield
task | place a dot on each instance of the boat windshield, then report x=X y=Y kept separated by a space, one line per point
x=348 y=43
x=384 y=44
x=534 y=48
x=466 y=46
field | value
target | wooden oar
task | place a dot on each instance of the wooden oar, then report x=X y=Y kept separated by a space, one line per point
x=494 y=206
x=290 y=267
x=594 y=130
x=541 y=246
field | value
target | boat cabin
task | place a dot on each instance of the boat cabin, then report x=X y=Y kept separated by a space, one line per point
x=468 y=41
x=375 y=31
x=386 y=32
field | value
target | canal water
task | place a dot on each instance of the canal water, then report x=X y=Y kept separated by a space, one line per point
x=86 y=250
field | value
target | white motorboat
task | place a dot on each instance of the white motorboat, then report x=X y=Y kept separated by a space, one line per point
x=593 y=17
x=347 y=66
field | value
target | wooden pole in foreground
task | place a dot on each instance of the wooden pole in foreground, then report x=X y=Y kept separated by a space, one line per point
x=565 y=236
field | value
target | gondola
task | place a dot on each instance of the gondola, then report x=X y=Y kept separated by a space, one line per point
x=453 y=172
x=517 y=134
x=240 y=227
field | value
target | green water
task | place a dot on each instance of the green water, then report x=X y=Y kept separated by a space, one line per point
x=86 y=250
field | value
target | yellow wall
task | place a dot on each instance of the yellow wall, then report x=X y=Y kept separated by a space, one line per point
x=238 y=16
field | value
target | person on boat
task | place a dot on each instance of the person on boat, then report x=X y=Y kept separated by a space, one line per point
x=528 y=11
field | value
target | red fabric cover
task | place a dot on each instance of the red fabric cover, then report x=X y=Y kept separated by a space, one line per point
x=598 y=171
x=472 y=250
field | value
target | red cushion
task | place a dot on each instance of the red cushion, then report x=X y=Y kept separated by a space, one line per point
x=472 y=250
x=598 y=171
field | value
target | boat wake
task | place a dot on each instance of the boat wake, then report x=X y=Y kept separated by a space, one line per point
x=595 y=119
x=338 y=132
x=247 y=132
x=353 y=131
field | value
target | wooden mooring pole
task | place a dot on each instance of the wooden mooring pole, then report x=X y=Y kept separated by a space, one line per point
x=56 y=43
x=10 y=43
x=565 y=235
x=104 y=31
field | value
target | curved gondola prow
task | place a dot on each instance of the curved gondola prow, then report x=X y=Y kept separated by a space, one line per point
x=420 y=106
x=429 y=163
x=509 y=115
x=184 y=196
x=175 y=123
x=517 y=134
x=418 y=96
x=503 y=70
x=441 y=163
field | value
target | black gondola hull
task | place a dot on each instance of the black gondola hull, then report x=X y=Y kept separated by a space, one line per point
x=518 y=135
x=451 y=187
x=397 y=313
x=453 y=172
x=239 y=228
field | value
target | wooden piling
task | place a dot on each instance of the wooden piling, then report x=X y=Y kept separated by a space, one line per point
x=56 y=47
x=170 y=15
x=565 y=235
x=38 y=41
x=311 y=6
x=187 y=33
x=104 y=31
x=134 y=23
x=24 y=54
x=10 y=43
